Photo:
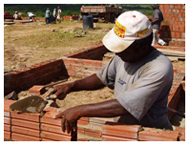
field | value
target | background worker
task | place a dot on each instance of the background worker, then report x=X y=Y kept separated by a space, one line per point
x=54 y=15
x=47 y=16
x=17 y=16
x=139 y=74
x=157 y=18
x=59 y=15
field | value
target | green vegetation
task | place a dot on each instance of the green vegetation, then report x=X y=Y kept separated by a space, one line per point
x=67 y=9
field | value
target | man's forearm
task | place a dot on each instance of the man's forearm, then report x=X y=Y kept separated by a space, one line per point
x=110 y=108
x=89 y=83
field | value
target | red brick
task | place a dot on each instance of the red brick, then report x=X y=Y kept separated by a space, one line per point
x=83 y=121
x=151 y=134
x=53 y=129
x=21 y=137
x=25 y=131
x=7 y=103
x=7 y=135
x=7 y=127
x=113 y=138
x=7 y=120
x=26 y=116
x=54 y=136
x=82 y=139
x=125 y=131
x=92 y=133
x=80 y=130
x=48 y=118
x=37 y=90
x=27 y=124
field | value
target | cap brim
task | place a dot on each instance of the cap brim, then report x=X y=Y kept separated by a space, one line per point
x=115 y=44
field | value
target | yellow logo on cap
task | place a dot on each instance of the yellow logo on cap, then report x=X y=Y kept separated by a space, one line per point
x=143 y=32
x=119 y=29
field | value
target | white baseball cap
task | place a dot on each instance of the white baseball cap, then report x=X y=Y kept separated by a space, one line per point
x=129 y=26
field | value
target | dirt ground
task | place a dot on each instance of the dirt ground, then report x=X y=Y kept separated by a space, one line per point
x=31 y=43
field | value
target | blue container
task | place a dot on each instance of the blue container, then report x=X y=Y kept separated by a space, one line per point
x=88 y=22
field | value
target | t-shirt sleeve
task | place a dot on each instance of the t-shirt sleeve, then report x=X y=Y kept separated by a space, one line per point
x=142 y=94
x=107 y=74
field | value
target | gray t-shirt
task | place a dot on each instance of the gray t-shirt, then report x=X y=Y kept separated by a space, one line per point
x=157 y=15
x=142 y=88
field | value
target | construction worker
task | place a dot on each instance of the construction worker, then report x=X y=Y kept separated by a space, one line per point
x=157 y=18
x=54 y=15
x=47 y=16
x=139 y=74
x=59 y=15
x=17 y=16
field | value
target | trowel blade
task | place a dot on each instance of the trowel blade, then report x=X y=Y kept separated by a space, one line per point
x=31 y=104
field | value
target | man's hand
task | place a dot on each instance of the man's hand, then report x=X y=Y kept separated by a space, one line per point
x=69 y=119
x=60 y=91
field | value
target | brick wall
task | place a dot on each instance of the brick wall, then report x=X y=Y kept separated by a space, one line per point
x=38 y=74
x=95 y=53
x=173 y=26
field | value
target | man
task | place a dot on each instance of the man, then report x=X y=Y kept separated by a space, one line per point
x=47 y=16
x=157 y=18
x=54 y=15
x=17 y=16
x=59 y=15
x=140 y=76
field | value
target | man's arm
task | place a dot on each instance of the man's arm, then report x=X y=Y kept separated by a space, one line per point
x=111 y=108
x=154 y=21
x=89 y=83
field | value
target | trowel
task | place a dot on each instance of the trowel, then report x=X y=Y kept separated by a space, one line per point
x=35 y=104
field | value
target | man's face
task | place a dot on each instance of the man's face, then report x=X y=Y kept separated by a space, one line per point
x=132 y=54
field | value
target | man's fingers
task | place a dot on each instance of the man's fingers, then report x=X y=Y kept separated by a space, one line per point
x=68 y=126
x=63 y=124
x=74 y=126
x=60 y=115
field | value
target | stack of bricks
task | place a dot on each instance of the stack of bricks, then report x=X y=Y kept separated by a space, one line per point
x=173 y=27
x=91 y=128
x=116 y=132
x=25 y=126
x=51 y=128
x=7 y=119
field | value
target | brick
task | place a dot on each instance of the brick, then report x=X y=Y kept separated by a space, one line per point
x=54 y=136
x=7 y=103
x=82 y=139
x=25 y=131
x=125 y=131
x=7 y=135
x=27 y=124
x=113 y=138
x=53 y=129
x=37 y=90
x=21 y=137
x=26 y=116
x=48 y=118
x=92 y=133
x=152 y=134
x=83 y=121
x=7 y=127
x=7 y=120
